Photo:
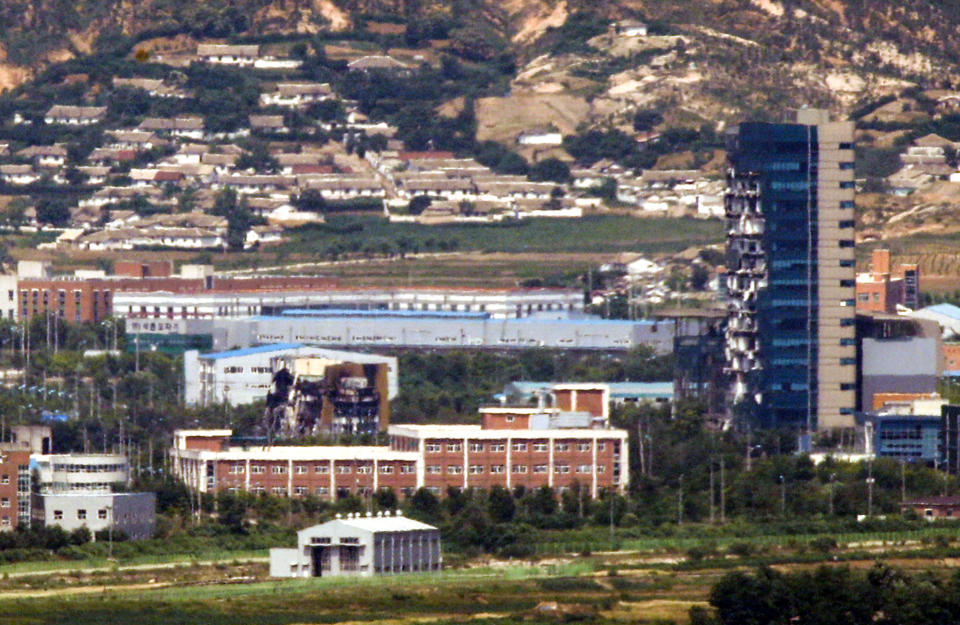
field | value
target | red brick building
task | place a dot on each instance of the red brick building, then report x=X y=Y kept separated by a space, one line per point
x=500 y=452
x=82 y=299
x=884 y=287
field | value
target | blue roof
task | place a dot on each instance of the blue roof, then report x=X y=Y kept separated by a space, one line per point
x=947 y=310
x=259 y=349
x=349 y=312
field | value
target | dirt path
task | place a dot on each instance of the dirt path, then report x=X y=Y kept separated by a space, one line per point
x=129 y=567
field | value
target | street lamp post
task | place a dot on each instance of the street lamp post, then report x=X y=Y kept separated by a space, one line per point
x=109 y=532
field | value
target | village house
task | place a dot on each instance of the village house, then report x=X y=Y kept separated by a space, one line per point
x=245 y=184
x=445 y=188
x=263 y=235
x=221 y=163
x=346 y=187
x=18 y=174
x=154 y=86
x=111 y=156
x=629 y=28
x=267 y=123
x=96 y=176
x=219 y=54
x=540 y=137
x=45 y=155
x=297 y=95
x=378 y=62
x=186 y=127
x=75 y=115
x=138 y=140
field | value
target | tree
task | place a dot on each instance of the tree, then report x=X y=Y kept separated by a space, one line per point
x=53 y=211
x=238 y=217
x=418 y=204
x=551 y=169
x=329 y=110
x=699 y=278
x=645 y=119
x=501 y=505
x=311 y=201
x=258 y=158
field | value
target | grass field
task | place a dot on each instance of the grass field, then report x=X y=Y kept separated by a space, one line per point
x=606 y=589
x=591 y=234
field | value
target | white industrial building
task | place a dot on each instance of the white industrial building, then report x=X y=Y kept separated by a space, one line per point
x=353 y=329
x=361 y=545
x=496 y=303
x=134 y=514
x=80 y=472
x=77 y=490
x=243 y=376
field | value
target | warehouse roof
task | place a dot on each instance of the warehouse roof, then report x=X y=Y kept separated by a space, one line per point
x=248 y=351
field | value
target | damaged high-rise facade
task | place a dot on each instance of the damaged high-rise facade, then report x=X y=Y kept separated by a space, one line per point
x=790 y=340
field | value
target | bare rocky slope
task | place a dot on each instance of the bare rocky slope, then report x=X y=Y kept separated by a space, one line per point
x=707 y=59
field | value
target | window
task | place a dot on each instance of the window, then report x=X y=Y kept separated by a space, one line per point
x=519 y=468
x=847 y=284
x=433 y=468
x=454 y=447
x=58 y=515
x=102 y=513
x=321 y=468
x=562 y=447
x=476 y=469
x=278 y=469
x=81 y=514
x=5 y=502
x=5 y=479
x=476 y=447
x=519 y=447
x=257 y=469
x=540 y=447
x=847 y=223
x=300 y=490
x=601 y=468
x=321 y=490
x=497 y=468
x=365 y=469
x=343 y=469
x=864 y=297
x=499 y=447
x=454 y=469
x=561 y=468
x=432 y=448
x=386 y=469
x=408 y=468
x=236 y=468
x=539 y=468
x=584 y=468
x=583 y=446
x=278 y=490
x=301 y=469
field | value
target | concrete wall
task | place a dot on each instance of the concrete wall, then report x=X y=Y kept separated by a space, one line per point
x=133 y=513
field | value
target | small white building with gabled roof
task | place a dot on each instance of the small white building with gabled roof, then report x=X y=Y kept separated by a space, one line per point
x=362 y=545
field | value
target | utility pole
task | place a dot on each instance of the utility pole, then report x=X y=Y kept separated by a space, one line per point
x=712 y=497
x=833 y=476
x=869 y=488
x=783 y=497
x=680 y=501
x=137 y=356
x=723 y=494
x=903 y=480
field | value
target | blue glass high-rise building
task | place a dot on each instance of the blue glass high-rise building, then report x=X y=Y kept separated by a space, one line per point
x=790 y=342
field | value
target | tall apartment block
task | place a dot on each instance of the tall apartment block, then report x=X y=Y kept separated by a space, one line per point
x=790 y=341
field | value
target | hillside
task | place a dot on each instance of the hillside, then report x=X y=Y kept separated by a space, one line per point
x=713 y=58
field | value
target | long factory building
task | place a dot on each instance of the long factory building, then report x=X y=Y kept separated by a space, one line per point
x=348 y=329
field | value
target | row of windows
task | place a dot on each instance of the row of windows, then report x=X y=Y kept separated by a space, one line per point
x=323 y=469
x=435 y=448
x=81 y=514
x=89 y=468
x=497 y=469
